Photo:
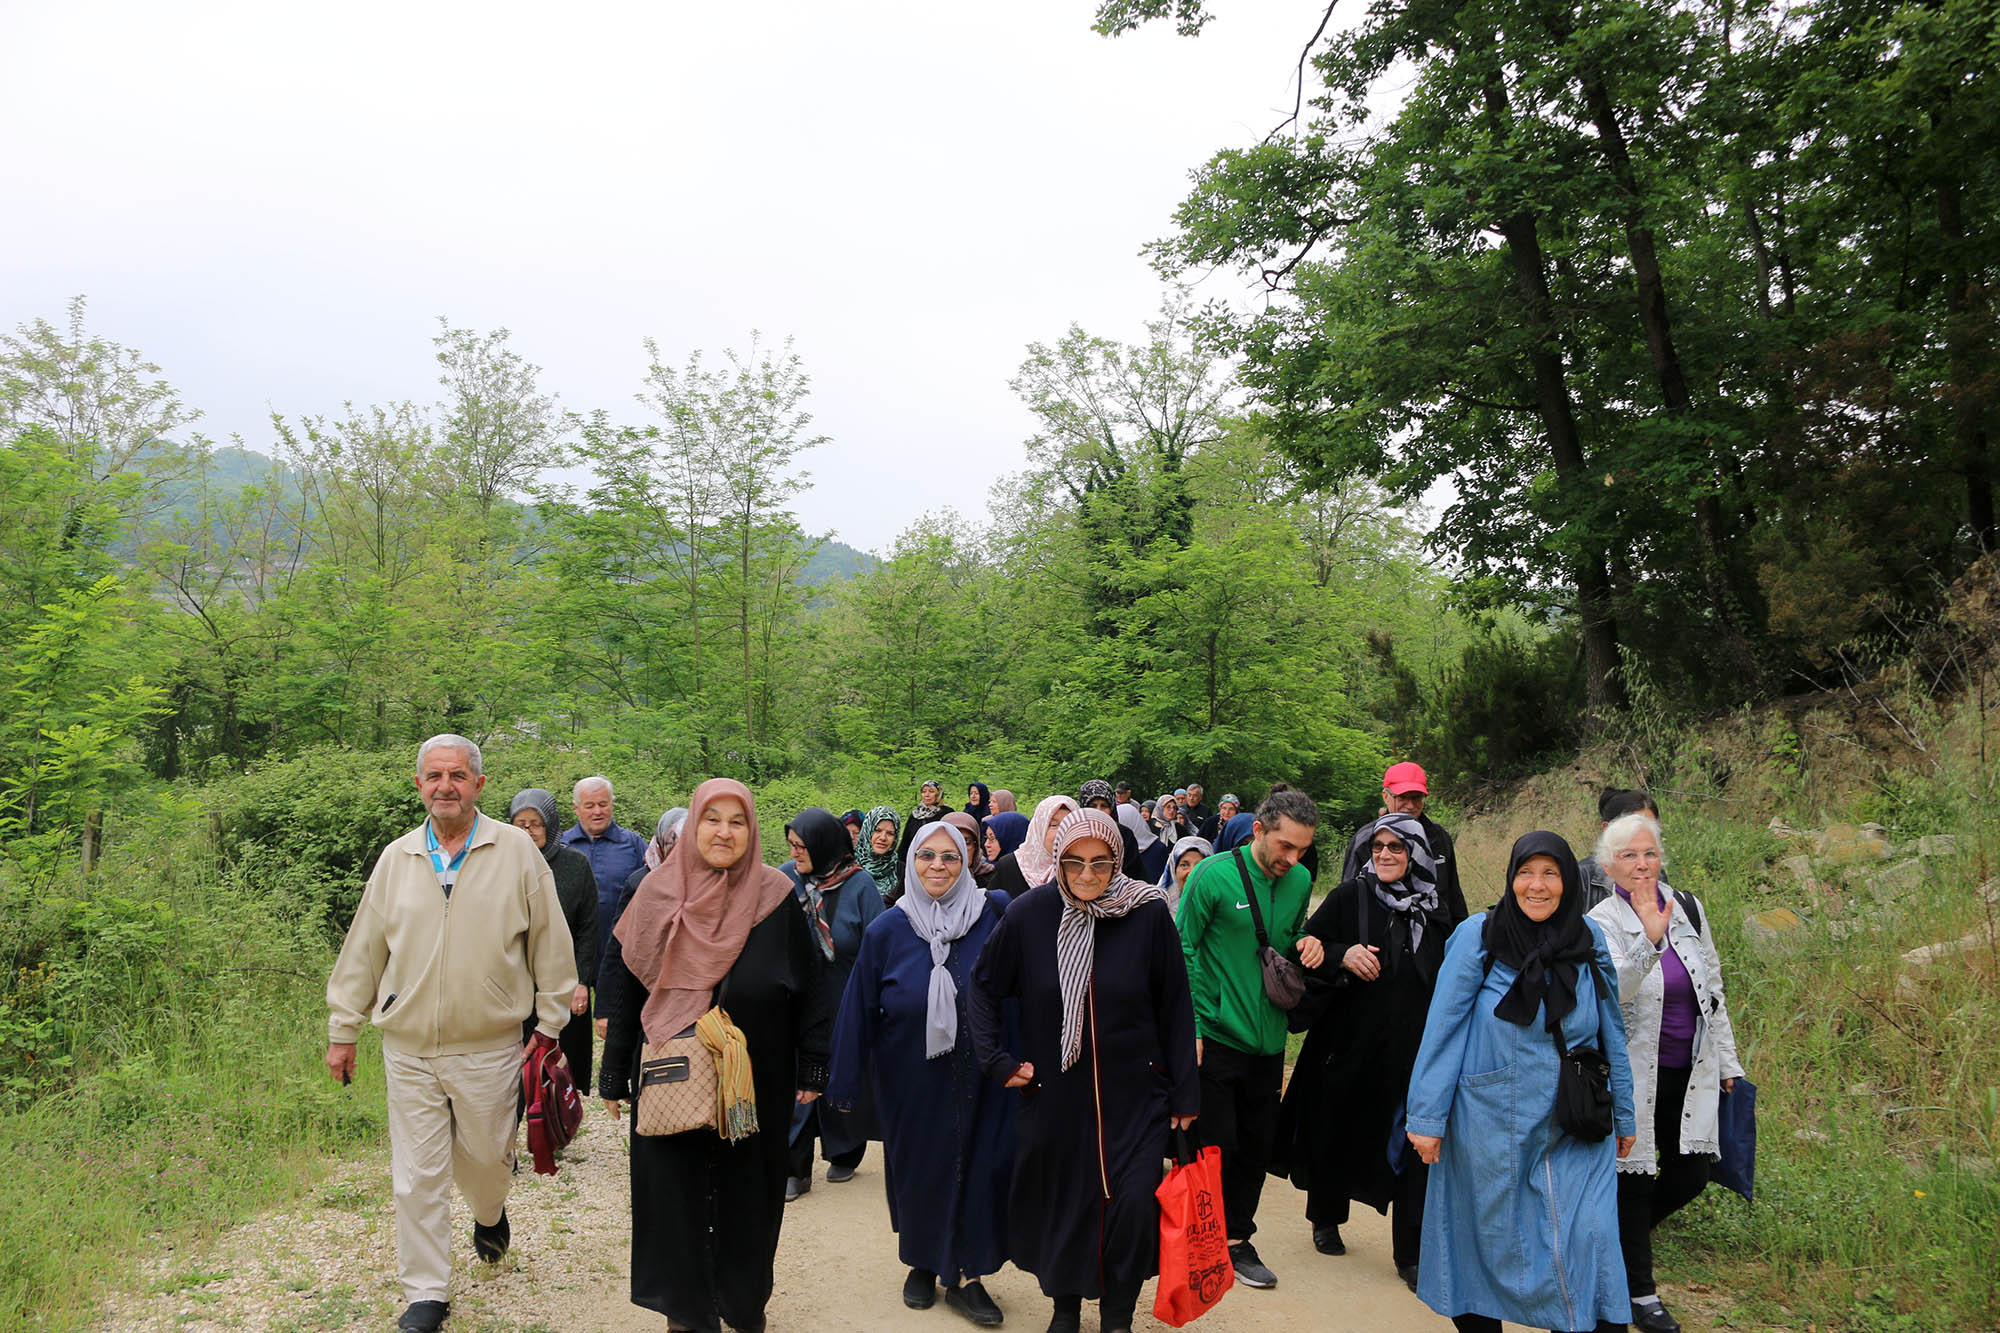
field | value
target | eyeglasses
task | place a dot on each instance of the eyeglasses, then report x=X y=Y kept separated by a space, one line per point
x=1629 y=857
x=1380 y=847
x=926 y=856
x=1091 y=868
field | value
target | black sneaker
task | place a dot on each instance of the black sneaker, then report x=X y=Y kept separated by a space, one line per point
x=972 y=1301
x=1327 y=1240
x=424 y=1316
x=920 y=1289
x=489 y=1243
x=1066 y=1321
x=797 y=1185
x=1250 y=1270
x=1653 y=1318
x=1408 y=1273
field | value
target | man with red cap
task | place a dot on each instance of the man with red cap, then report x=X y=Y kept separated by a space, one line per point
x=1404 y=791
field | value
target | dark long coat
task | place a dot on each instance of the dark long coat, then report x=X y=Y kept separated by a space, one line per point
x=947 y=1130
x=1090 y=1140
x=1354 y=1067
x=682 y=1184
x=850 y=906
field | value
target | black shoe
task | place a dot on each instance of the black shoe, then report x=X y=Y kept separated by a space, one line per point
x=1250 y=1270
x=920 y=1289
x=972 y=1301
x=1654 y=1319
x=1066 y=1321
x=1409 y=1275
x=489 y=1243
x=839 y=1175
x=424 y=1316
x=797 y=1185
x=1327 y=1240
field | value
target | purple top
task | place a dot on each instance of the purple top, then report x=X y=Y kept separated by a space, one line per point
x=1678 y=1012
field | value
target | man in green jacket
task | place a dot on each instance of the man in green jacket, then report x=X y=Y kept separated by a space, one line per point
x=458 y=940
x=1239 y=1033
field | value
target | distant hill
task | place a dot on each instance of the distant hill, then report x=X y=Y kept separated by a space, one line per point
x=230 y=469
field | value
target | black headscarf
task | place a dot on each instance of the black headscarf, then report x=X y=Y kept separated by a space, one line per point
x=982 y=807
x=826 y=840
x=1546 y=954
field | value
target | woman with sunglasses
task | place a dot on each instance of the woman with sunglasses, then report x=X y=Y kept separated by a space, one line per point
x=1104 y=1064
x=1384 y=932
x=947 y=1130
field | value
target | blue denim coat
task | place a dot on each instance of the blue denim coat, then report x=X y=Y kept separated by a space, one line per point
x=1520 y=1219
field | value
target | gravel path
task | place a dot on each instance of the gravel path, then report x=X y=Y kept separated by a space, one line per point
x=329 y=1263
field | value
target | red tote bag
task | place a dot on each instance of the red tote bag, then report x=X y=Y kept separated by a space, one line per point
x=1194 y=1243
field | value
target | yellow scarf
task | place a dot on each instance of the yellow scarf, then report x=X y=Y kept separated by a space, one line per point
x=735 y=1094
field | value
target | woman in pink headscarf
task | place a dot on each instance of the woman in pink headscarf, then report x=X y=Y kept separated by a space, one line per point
x=1034 y=861
x=713 y=925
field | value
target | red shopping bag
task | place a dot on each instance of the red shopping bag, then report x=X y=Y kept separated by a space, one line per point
x=1194 y=1244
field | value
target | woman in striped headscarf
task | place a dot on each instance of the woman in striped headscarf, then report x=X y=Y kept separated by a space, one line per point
x=1384 y=932
x=1105 y=1063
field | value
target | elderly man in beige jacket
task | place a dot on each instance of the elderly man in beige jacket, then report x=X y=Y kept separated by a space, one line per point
x=459 y=938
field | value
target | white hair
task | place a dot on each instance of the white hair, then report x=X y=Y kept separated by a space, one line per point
x=448 y=741
x=594 y=780
x=1617 y=836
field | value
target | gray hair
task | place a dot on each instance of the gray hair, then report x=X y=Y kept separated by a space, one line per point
x=594 y=780
x=1617 y=836
x=448 y=741
x=1289 y=804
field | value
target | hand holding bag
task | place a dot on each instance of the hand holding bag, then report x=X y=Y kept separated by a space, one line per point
x=1736 y=1134
x=1284 y=980
x=1194 y=1241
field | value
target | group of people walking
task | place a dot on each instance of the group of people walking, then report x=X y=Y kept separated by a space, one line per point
x=1021 y=1008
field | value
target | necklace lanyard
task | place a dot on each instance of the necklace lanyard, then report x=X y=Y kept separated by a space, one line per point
x=447 y=872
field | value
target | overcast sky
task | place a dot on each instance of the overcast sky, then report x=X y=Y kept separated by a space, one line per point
x=274 y=202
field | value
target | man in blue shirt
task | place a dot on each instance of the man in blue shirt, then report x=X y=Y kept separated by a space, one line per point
x=614 y=851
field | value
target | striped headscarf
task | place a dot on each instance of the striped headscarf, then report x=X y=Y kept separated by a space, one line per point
x=1415 y=896
x=1076 y=931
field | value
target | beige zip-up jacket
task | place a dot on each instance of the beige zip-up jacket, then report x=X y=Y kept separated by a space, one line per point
x=457 y=975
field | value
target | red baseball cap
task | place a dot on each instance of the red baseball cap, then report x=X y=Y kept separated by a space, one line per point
x=1404 y=777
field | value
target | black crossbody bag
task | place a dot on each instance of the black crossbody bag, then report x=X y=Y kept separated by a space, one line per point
x=1284 y=980
x=1583 y=1083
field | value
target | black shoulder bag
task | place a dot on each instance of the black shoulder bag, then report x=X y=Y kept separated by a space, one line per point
x=1284 y=980
x=1583 y=1084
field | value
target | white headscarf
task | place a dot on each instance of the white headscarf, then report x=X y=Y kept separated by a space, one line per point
x=1129 y=816
x=1167 y=885
x=938 y=921
x=1038 y=867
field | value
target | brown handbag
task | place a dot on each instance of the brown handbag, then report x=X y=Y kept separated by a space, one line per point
x=1284 y=980
x=676 y=1086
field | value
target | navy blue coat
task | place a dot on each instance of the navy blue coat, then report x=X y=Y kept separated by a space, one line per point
x=947 y=1131
x=613 y=856
x=1089 y=1140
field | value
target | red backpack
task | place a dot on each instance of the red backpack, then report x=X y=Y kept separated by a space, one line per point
x=554 y=1110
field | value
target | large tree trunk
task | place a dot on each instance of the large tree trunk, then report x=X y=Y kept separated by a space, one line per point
x=1962 y=292
x=1658 y=330
x=1606 y=690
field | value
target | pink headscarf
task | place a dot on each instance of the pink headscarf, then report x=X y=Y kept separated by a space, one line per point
x=1038 y=866
x=686 y=924
x=1003 y=802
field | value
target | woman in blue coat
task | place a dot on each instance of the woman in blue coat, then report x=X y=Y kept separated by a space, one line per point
x=1520 y=1218
x=947 y=1130
x=840 y=899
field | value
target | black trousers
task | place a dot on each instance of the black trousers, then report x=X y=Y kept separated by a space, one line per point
x=1329 y=1208
x=1239 y=1114
x=1645 y=1201
x=1114 y=1309
x=801 y=1150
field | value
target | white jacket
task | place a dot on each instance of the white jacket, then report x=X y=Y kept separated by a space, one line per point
x=1642 y=995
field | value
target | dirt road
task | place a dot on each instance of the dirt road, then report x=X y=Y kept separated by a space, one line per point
x=329 y=1264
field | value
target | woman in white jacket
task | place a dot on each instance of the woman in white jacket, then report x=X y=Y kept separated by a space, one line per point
x=1678 y=1035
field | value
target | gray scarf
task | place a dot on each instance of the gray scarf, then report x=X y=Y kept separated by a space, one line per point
x=1415 y=895
x=1076 y=931
x=938 y=922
